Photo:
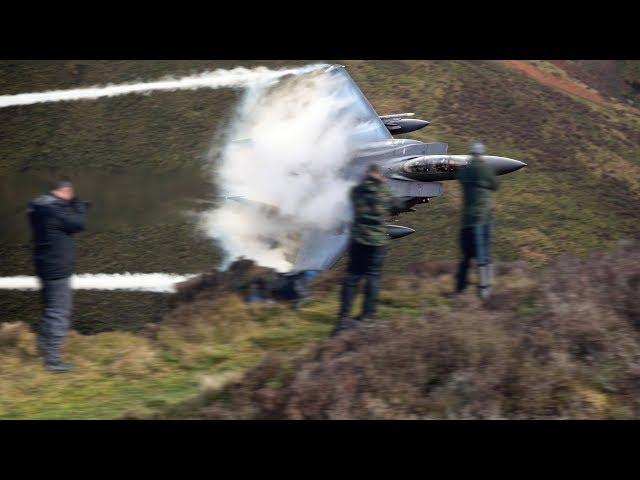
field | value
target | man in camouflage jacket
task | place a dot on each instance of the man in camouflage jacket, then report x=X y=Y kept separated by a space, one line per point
x=372 y=203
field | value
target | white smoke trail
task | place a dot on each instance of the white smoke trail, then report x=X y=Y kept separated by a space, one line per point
x=220 y=78
x=141 y=282
x=297 y=143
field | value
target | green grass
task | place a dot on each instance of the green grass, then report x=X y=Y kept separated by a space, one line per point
x=182 y=364
x=99 y=398
x=123 y=374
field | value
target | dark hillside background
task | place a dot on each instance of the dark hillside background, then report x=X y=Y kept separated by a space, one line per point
x=142 y=159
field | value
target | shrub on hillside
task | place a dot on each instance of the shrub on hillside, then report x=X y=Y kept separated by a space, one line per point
x=564 y=344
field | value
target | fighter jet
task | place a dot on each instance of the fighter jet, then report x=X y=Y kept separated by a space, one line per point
x=414 y=170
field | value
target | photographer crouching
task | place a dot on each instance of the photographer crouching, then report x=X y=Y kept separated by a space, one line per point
x=54 y=218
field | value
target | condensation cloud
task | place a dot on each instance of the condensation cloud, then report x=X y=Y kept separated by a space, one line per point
x=285 y=155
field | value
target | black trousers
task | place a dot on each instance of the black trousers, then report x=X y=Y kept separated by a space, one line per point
x=475 y=242
x=365 y=261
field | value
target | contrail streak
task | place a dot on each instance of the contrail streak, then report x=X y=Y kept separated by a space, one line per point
x=220 y=78
x=140 y=282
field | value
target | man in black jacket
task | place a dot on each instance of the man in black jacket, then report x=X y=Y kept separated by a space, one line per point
x=54 y=218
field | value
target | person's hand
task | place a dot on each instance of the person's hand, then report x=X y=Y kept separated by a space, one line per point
x=80 y=206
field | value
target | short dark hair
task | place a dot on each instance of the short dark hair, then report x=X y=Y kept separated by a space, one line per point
x=373 y=168
x=61 y=182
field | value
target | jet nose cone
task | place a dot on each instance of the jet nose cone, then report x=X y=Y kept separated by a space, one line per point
x=503 y=165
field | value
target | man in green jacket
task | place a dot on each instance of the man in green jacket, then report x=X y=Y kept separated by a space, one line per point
x=372 y=202
x=478 y=180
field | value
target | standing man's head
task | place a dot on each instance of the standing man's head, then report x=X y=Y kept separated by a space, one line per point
x=477 y=150
x=63 y=188
x=374 y=171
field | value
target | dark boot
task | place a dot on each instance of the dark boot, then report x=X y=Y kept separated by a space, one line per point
x=58 y=366
x=345 y=323
x=53 y=360
x=366 y=322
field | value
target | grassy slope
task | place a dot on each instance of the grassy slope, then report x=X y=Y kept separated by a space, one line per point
x=138 y=158
x=198 y=346
x=579 y=191
x=556 y=343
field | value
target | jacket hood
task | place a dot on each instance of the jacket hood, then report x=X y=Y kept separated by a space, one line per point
x=44 y=200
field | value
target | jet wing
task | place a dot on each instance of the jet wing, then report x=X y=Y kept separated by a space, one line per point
x=320 y=250
x=369 y=127
x=317 y=250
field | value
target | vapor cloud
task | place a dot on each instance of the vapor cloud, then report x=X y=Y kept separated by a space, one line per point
x=294 y=143
x=220 y=78
x=141 y=282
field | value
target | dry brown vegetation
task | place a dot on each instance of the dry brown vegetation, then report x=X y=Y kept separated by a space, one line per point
x=568 y=86
x=558 y=342
x=562 y=342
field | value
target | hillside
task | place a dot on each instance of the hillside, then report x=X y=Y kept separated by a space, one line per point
x=582 y=182
x=558 y=342
x=141 y=159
